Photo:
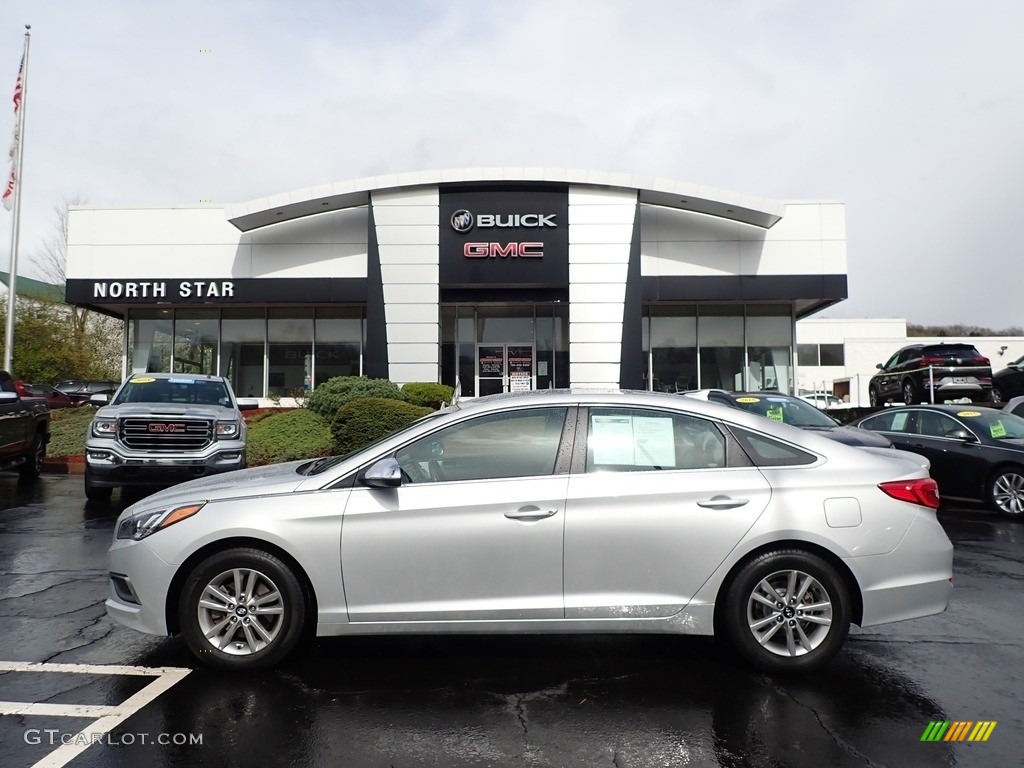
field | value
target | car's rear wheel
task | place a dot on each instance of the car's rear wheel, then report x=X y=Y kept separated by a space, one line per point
x=33 y=466
x=1006 y=492
x=94 y=492
x=909 y=392
x=787 y=611
x=998 y=396
x=242 y=609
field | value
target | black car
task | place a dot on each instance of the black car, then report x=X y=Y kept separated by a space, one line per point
x=1009 y=382
x=920 y=371
x=80 y=390
x=976 y=454
x=795 y=412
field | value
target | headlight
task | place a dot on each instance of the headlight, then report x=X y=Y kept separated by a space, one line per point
x=104 y=427
x=142 y=525
x=227 y=428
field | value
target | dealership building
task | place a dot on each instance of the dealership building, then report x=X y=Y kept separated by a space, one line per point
x=500 y=279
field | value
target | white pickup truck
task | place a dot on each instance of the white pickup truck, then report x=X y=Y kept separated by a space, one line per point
x=162 y=429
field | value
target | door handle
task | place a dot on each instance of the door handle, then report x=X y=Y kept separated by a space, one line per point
x=722 y=502
x=530 y=513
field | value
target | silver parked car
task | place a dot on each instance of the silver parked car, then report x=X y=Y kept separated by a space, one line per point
x=544 y=512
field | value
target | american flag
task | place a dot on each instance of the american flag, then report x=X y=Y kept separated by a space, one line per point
x=12 y=180
x=17 y=87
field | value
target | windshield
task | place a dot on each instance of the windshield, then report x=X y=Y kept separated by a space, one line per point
x=788 y=410
x=317 y=466
x=999 y=425
x=182 y=391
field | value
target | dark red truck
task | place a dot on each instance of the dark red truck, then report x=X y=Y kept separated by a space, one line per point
x=24 y=430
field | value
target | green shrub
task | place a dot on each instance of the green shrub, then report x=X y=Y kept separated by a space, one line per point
x=428 y=394
x=67 y=431
x=363 y=420
x=287 y=436
x=328 y=397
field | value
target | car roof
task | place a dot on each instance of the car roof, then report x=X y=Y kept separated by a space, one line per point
x=179 y=376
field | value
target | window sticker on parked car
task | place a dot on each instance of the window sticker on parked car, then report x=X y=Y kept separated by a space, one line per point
x=899 y=422
x=997 y=429
x=969 y=414
x=181 y=381
x=641 y=441
x=748 y=399
x=775 y=414
x=143 y=380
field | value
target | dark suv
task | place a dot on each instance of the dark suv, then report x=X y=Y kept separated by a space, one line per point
x=946 y=371
x=80 y=390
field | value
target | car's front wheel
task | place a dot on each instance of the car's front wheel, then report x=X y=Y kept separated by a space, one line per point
x=242 y=609
x=94 y=492
x=1006 y=492
x=997 y=395
x=873 y=399
x=33 y=466
x=787 y=611
x=909 y=392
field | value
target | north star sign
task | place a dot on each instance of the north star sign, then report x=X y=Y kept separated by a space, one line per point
x=158 y=289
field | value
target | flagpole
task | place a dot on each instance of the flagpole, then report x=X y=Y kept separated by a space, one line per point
x=16 y=226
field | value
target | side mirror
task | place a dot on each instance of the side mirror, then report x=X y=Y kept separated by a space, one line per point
x=879 y=366
x=248 y=403
x=384 y=474
x=99 y=399
x=962 y=434
x=8 y=397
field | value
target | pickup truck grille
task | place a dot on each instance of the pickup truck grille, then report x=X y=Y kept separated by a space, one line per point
x=167 y=434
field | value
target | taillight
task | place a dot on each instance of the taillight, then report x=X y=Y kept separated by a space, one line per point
x=924 y=492
x=983 y=361
x=934 y=361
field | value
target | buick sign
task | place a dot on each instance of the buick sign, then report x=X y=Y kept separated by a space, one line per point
x=462 y=220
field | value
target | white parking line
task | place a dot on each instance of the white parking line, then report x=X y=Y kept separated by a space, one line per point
x=108 y=717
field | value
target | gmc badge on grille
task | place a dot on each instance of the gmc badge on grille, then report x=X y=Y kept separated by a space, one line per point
x=166 y=427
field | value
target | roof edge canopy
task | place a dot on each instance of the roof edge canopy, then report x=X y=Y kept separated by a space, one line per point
x=721 y=203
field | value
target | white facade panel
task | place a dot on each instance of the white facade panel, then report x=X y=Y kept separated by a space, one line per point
x=405 y=215
x=407 y=373
x=427 y=195
x=424 y=332
x=583 y=352
x=423 y=274
x=774 y=258
x=411 y=313
x=408 y=254
x=595 y=332
x=597 y=273
x=163 y=261
x=801 y=222
x=139 y=226
x=81 y=227
x=602 y=214
x=596 y=312
x=410 y=294
x=596 y=253
x=600 y=233
x=603 y=293
x=203 y=225
x=413 y=353
x=833 y=221
x=595 y=375
x=311 y=260
x=413 y=235
x=690 y=258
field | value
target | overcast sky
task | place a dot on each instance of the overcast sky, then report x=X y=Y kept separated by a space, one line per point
x=912 y=113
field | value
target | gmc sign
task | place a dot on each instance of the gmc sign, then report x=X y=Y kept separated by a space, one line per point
x=503 y=250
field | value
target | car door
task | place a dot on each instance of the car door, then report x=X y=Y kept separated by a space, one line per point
x=885 y=376
x=959 y=466
x=474 y=532
x=654 y=507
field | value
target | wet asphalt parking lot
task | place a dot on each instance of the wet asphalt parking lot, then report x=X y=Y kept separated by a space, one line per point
x=107 y=696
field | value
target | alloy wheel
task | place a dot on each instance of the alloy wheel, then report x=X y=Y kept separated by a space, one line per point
x=241 y=611
x=1008 y=493
x=789 y=613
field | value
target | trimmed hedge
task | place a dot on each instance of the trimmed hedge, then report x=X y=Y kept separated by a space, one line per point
x=428 y=394
x=328 y=397
x=67 y=431
x=287 y=436
x=365 y=419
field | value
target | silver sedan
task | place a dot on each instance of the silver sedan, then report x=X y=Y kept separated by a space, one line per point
x=544 y=512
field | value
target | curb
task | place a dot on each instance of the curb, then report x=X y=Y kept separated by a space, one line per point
x=61 y=467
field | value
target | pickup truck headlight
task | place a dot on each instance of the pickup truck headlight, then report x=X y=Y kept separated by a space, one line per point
x=104 y=428
x=227 y=428
x=140 y=526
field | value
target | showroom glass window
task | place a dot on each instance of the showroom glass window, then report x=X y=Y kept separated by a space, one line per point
x=150 y=340
x=769 y=347
x=339 y=343
x=638 y=439
x=289 y=351
x=501 y=445
x=243 y=349
x=671 y=342
x=720 y=331
x=195 y=341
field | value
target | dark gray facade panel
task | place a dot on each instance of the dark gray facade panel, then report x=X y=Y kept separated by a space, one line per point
x=739 y=288
x=375 y=356
x=631 y=357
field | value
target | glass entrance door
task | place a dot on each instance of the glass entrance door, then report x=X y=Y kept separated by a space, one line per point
x=504 y=368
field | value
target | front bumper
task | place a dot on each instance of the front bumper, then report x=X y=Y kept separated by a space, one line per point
x=142 y=606
x=111 y=466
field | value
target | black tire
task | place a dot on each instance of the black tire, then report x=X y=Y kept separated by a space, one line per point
x=873 y=399
x=33 y=466
x=998 y=396
x=799 y=642
x=909 y=391
x=95 y=492
x=1005 y=493
x=248 y=640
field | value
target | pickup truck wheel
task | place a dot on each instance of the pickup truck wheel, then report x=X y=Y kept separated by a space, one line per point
x=95 y=492
x=33 y=466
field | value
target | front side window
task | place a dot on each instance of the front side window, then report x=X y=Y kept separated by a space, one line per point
x=635 y=439
x=499 y=445
x=935 y=424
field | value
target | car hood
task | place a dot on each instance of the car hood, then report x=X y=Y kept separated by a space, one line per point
x=167 y=410
x=862 y=438
x=270 y=480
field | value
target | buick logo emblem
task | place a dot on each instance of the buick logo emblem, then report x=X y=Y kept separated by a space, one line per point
x=462 y=220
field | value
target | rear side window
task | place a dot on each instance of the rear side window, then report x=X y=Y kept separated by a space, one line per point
x=766 y=451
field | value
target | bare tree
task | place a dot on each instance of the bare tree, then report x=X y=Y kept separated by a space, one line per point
x=52 y=257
